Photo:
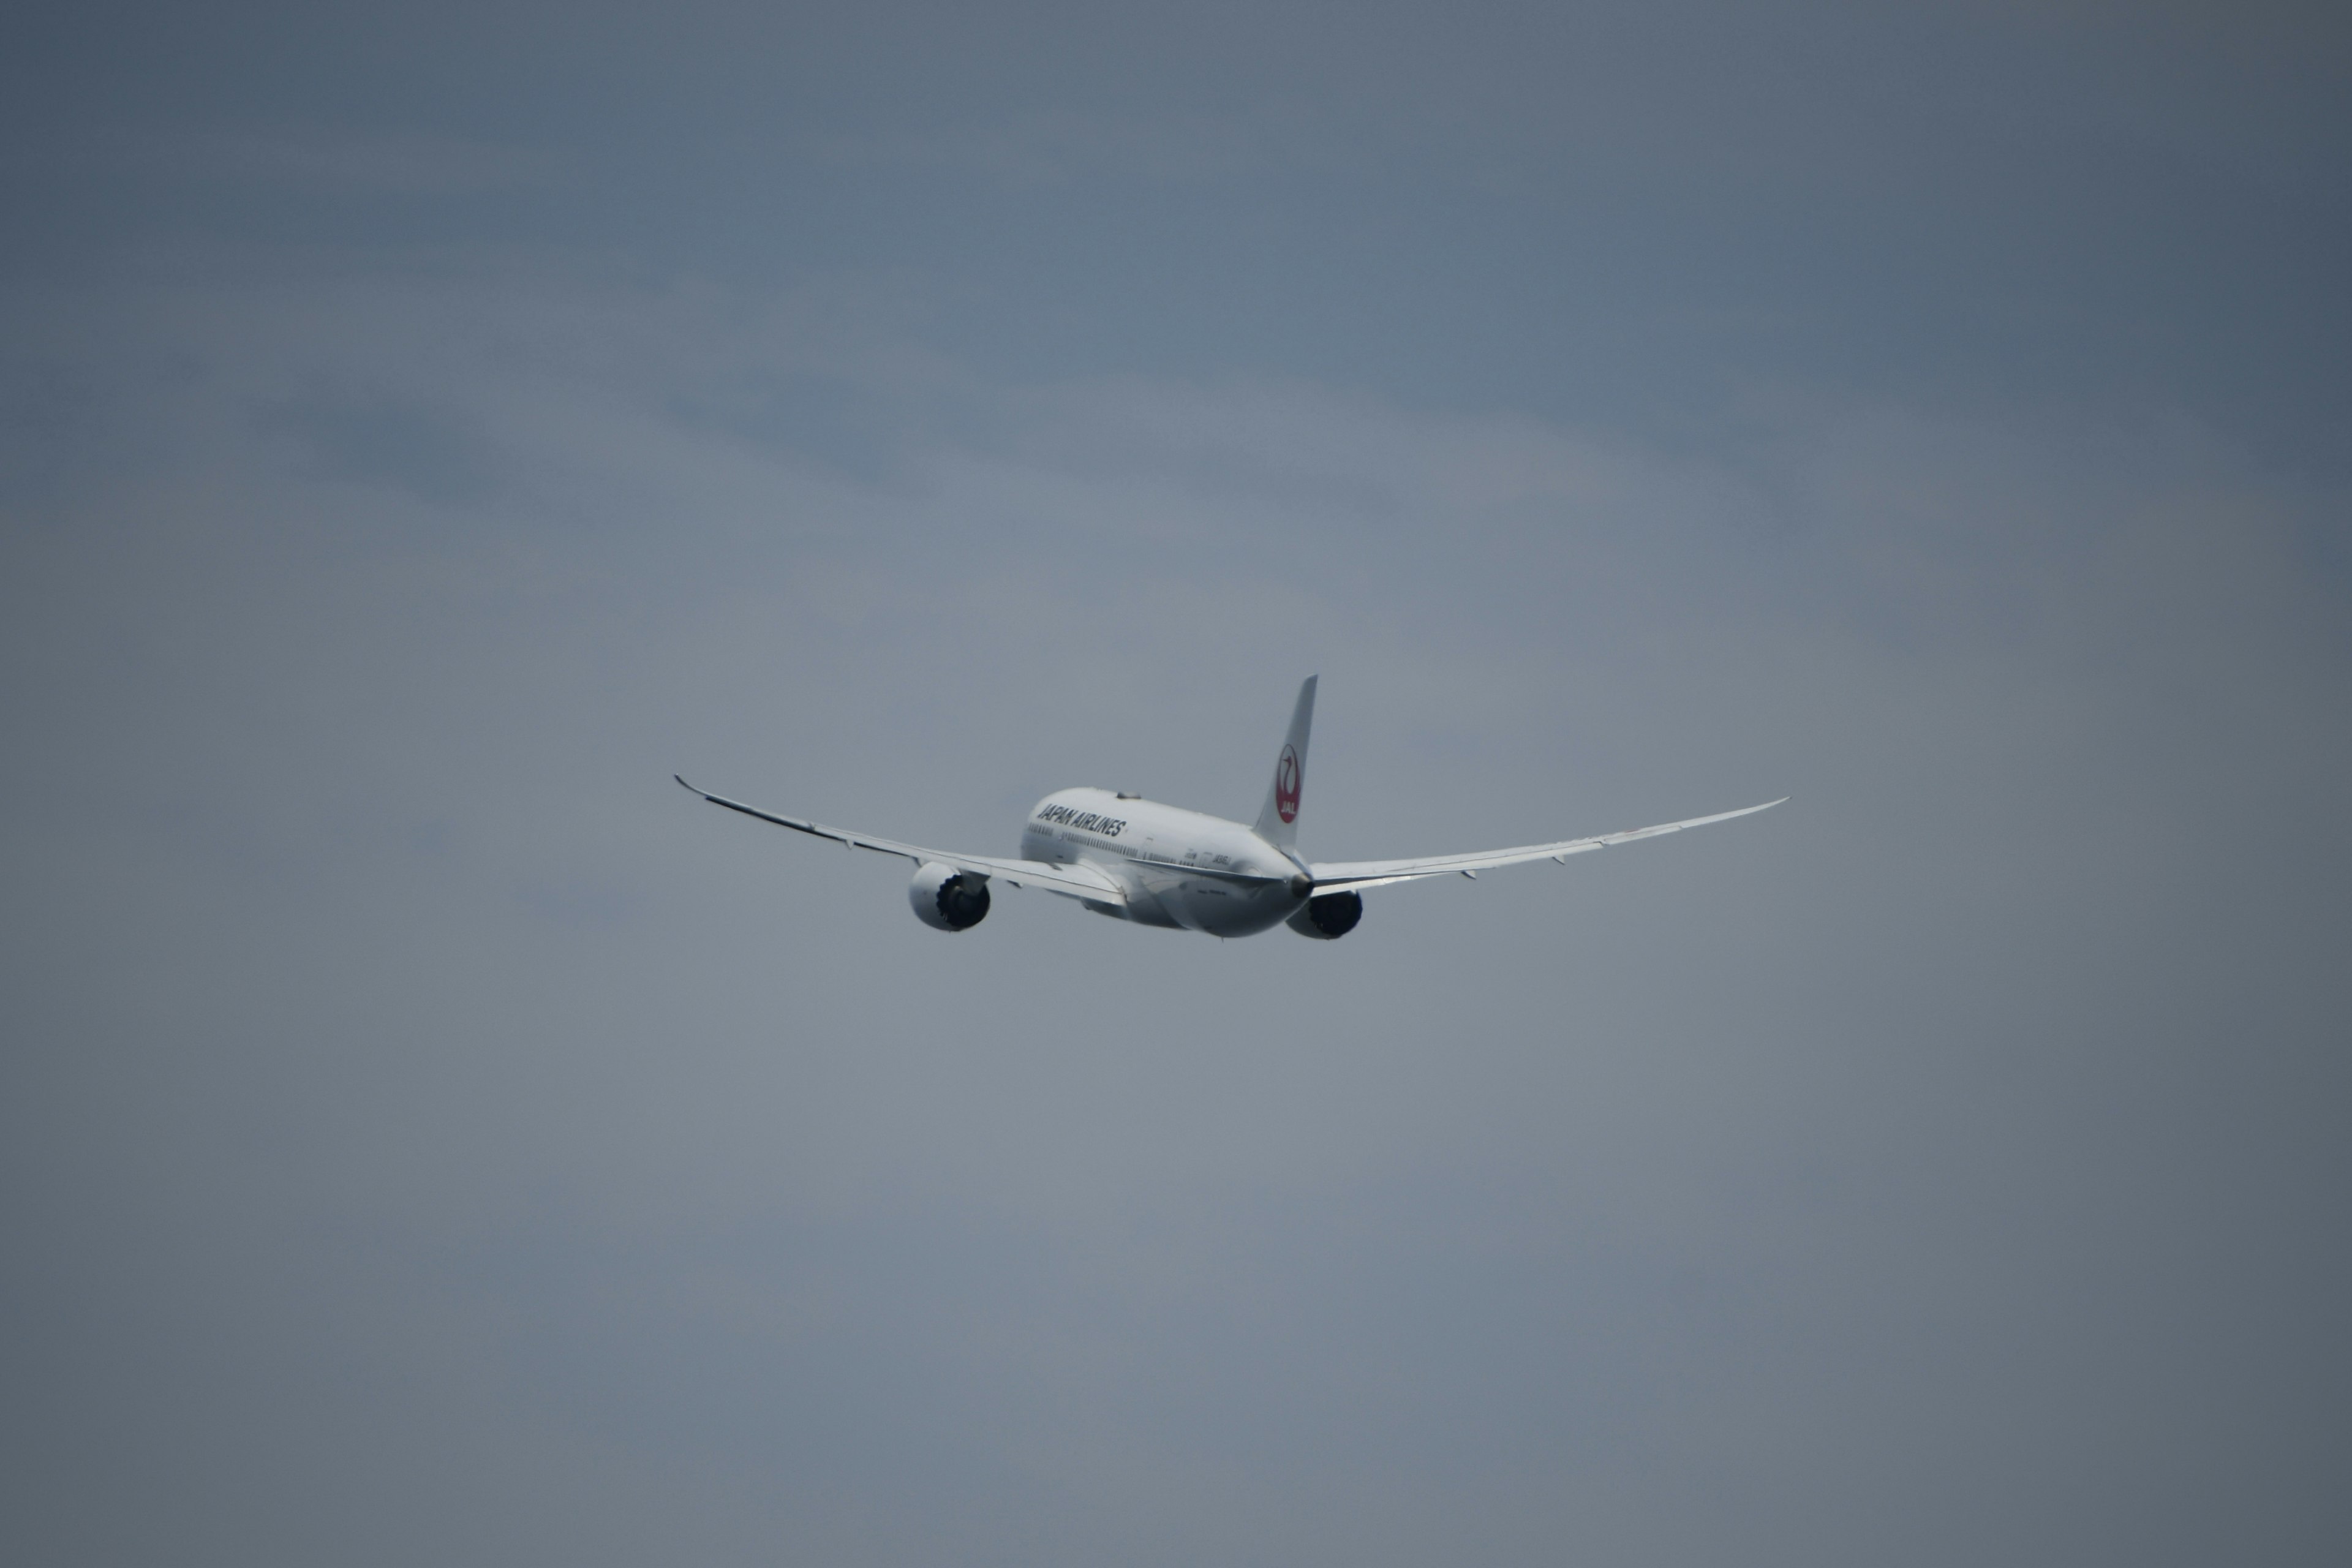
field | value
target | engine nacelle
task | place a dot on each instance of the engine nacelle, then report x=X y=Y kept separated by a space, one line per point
x=1326 y=919
x=946 y=899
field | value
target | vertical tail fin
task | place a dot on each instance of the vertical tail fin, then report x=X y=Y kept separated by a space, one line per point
x=1278 y=823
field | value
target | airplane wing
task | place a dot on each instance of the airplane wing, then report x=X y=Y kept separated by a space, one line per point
x=1075 y=881
x=1342 y=875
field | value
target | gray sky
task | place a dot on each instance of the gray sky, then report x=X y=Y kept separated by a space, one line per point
x=425 y=1134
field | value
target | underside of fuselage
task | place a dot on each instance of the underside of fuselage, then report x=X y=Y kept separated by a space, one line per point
x=1192 y=904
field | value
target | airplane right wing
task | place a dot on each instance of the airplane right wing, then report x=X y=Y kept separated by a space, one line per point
x=1344 y=875
x=1075 y=880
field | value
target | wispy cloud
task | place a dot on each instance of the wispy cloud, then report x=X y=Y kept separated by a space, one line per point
x=1052 y=148
x=315 y=160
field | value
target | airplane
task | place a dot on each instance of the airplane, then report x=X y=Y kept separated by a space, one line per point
x=1134 y=859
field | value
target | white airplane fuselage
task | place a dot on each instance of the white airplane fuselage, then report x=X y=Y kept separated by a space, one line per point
x=1168 y=860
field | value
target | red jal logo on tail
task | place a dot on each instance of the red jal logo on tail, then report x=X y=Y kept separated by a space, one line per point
x=1285 y=785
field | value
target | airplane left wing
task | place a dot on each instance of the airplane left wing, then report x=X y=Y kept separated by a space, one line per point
x=1074 y=880
x=1343 y=876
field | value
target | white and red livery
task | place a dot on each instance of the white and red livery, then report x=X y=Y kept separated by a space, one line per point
x=1157 y=865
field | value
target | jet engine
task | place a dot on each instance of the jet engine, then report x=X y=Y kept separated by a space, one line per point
x=1332 y=915
x=946 y=899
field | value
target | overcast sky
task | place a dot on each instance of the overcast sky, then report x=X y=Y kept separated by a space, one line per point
x=427 y=1135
